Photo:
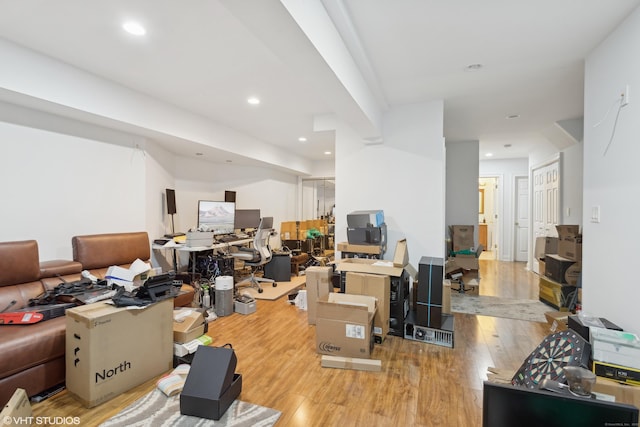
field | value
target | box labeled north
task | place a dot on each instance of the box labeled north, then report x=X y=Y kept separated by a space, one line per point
x=110 y=350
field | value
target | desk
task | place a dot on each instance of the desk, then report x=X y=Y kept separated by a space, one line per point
x=193 y=250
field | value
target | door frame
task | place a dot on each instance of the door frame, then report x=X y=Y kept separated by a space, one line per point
x=515 y=211
x=498 y=229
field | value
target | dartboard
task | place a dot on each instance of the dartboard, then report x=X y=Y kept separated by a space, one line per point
x=565 y=348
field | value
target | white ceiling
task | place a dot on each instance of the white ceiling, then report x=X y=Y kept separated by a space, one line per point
x=208 y=56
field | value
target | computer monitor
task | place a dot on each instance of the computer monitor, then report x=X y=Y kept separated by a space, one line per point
x=506 y=406
x=215 y=216
x=247 y=218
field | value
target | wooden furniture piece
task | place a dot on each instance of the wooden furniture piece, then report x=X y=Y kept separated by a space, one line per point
x=482 y=235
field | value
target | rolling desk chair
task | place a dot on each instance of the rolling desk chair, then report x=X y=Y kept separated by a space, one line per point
x=258 y=255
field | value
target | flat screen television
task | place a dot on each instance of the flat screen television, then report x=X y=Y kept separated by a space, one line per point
x=218 y=217
x=507 y=406
x=247 y=218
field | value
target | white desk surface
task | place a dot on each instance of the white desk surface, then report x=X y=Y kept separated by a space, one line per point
x=182 y=247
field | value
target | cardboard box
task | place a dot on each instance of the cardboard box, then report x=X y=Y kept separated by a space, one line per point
x=556 y=267
x=318 y=285
x=462 y=236
x=378 y=286
x=110 y=350
x=187 y=327
x=391 y=268
x=569 y=242
x=190 y=347
x=360 y=249
x=551 y=246
x=621 y=392
x=558 y=320
x=539 y=248
x=344 y=325
x=372 y=365
x=212 y=384
x=17 y=411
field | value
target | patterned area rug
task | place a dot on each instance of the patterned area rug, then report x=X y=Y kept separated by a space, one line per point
x=156 y=409
x=521 y=309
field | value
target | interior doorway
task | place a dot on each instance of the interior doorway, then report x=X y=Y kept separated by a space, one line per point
x=488 y=218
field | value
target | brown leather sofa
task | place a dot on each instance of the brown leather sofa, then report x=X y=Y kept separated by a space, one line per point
x=32 y=356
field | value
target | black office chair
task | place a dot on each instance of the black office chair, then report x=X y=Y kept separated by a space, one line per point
x=258 y=255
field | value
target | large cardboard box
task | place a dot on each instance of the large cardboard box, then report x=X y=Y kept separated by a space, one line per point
x=110 y=350
x=569 y=242
x=392 y=268
x=556 y=268
x=318 y=285
x=378 y=286
x=462 y=236
x=344 y=325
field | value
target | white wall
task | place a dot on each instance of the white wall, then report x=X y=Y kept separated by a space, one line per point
x=611 y=179
x=91 y=180
x=462 y=185
x=571 y=184
x=404 y=176
x=57 y=185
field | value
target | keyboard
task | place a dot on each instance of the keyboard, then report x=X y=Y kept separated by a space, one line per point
x=228 y=238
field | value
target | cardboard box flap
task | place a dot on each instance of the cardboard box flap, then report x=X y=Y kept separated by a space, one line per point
x=401 y=254
x=354 y=300
x=350 y=308
x=567 y=230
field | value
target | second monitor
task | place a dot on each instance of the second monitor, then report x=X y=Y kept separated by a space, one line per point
x=247 y=218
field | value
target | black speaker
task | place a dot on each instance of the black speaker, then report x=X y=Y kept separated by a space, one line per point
x=230 y=196
x=171 y=201
x=429 y=303
x=212 y=384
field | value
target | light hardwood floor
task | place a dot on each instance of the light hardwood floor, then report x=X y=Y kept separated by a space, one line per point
x=420 y=384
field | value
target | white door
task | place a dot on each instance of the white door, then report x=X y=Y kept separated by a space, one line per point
x=522 y=219
x=546 y=202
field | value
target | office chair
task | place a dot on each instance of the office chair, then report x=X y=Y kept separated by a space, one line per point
x=258 y=255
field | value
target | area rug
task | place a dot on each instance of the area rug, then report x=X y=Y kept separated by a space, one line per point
x=271 y=293
x=156 y=409
x=521 y=309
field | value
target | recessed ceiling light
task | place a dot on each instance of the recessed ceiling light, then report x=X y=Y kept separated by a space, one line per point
x=327 y=152
x=302 y=139
x=513 y=116
x=507 y=145
x=229 y=161
x=135 y=28
x=489 y=155
x=199 y=154
x=473 y=67
x=253 y=100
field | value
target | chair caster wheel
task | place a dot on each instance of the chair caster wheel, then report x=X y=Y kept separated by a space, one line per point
x=260 y=291
x=274 y=284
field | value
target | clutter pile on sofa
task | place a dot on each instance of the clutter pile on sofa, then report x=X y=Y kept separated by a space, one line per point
x=32 y=356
